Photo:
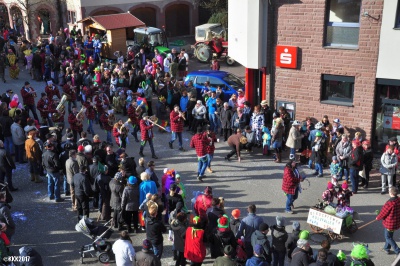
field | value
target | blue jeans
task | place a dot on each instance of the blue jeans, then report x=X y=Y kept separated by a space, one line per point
x=109 y=139
x=390 y=243
x=173 y=138
x=278 y=258
x=158 y=250
x=8 y=144
x=319 y=168
x=213 y=122
x=290 y=199
x=344 y=171
x=90 y=127
x=354 y=179
x=66 y=185
x=54 y=185
x=209 y=159
x=202 y=165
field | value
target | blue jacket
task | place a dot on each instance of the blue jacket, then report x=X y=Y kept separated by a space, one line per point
x=211 y=105
x=256 y=261
x=249 y=225
x=183 y=103
x=146 y=187
x=311 y=138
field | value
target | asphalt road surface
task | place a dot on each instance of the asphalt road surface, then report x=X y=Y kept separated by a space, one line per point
x=50 y=227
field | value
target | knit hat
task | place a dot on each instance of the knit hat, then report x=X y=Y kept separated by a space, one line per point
x=345 y=185
x=146 y=244
x=223 y=222
x=132 y=180
x=236 y=213
x=258 y=250
x=263 y=227
x=304 y=234
x=280 y=221
x=341 y=256
x=359 y=252
x=81 y=148
x=296 y=226
x=228 y=250
x=334 y=158
x=301 y=243
x=330 y=185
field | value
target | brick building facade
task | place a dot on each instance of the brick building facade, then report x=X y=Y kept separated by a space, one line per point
x=329 y=60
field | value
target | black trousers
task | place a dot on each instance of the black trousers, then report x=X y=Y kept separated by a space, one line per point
x=227 y=132
x=82 y=204
x=232 y=152
x=132 y=216
x=180 y=260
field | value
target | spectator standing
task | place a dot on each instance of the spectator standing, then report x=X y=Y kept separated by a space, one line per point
x=80 y=186
x=279 y=238
x=123 y=250
x=146 y=257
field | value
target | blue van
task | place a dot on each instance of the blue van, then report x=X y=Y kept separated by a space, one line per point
x=229 y=82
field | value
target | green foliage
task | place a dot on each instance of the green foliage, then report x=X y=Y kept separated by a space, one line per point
x=220 y=17
x=214 y=6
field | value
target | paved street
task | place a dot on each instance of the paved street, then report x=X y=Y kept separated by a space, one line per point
x=49 y=227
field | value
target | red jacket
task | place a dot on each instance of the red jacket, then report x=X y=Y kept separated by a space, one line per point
x=51 y=91
x=27 y=98
x=195 y=249
x=116 y=134
x=70 y=91
x=104 y=122
x=74 y=123
x=199 y=142
x=290 y=181
x=211 y=139
x=203 y=202
x=390 y=214
x=146 y=130
x=90 y=112
x=43 y=106
x=176 y=122
x=132 y=115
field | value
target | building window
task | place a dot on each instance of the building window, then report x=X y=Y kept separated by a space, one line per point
x=337 y=90
x=397 y=22
x=71 y=17
x=343 y=23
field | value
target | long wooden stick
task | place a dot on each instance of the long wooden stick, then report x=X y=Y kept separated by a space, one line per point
x=157 y=124
x=364 y=225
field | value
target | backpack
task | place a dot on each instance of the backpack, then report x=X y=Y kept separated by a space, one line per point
x=241 y=255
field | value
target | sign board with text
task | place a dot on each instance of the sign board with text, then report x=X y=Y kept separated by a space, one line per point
x=286 y=56
x=325 y=221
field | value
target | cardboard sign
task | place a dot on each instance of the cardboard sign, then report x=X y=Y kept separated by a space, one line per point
x=286 y=56
x=325 y=221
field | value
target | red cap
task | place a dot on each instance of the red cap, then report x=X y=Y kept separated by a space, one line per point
x=81 y=148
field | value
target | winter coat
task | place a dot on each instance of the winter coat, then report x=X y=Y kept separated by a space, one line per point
x=213 y=214
x=368 y=158
x=219 y=239
x=248 y=226
x=343 y=149
x=225 y=116
x=195 y=248
x=18 y=134
x=259 y=238
x=257 y=261
x=147 y=187
x=277 y=134
x=224 y=261
x=291 y=180
x=279 y=237
x=294 y=138
x=299 y=257
x=124 y=252
x=318 y=151
x=179 y=230
x=154 y=230
x=240 y=122
x=234 y=225
x=199 y=112
x=356 y=158
x=117 y=189
x=203 y=202
x=388 y=164
x=146 y=258
x=390 y=214
x=5 y=217
x=71 y=168
x=130 y=198
x=291 y=243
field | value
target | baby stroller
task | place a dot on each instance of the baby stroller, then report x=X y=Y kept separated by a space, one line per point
x=99 y=247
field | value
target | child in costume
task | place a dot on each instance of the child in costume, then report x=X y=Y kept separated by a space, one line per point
x=266 y=140
x=335 y=170
x=344 y=195
x=329 y=194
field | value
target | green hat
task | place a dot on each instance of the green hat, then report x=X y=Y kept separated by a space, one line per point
x=304 y=234
x=341 y=256
x=223 y=222
x=318 y=134
x=359 y=252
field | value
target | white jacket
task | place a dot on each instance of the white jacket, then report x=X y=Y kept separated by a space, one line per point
x=124 y=252
x=389 y=163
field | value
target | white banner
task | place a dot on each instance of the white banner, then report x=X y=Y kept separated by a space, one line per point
x=325 y=221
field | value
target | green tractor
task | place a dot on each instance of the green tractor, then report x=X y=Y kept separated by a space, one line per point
x=150 y=38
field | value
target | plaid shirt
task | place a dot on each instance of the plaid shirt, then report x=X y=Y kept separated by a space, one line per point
x=132 y=115
x=27 y=98
x=51 y=91
x=199 y=142
x=73 y=123
x=176 y=122
x=291 y=180
x=90 y=112
x=390 y=214
x=70 y=91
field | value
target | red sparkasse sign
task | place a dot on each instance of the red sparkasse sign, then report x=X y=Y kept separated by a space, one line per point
x=286 y=56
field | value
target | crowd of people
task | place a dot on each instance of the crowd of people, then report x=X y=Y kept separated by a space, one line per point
x=130 y=191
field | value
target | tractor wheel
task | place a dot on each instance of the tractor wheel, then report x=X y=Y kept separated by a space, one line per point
x=230 y=61
x=203 y=53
